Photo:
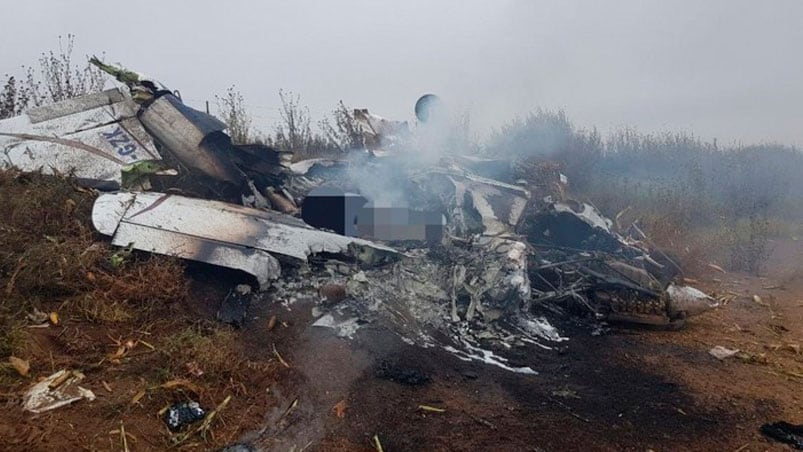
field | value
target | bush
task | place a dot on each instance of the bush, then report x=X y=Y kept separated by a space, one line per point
x=57 y=79
x=545 y=135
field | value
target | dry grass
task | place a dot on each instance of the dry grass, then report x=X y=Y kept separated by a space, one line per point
x=693 y=248
x=102 y=311
x=736 y=245
x=12 y=337
x=694 y=230
x=52 y=259
x=14 y=340
x=214 y=348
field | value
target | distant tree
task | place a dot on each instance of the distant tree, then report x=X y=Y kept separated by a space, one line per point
x=231 y=108
x=294 y=132
x=546 y=135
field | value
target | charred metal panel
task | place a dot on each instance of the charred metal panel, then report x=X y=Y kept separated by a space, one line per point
x=219 y=233
x=258 y=263
x=498 y=206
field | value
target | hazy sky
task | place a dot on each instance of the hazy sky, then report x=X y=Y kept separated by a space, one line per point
x=729 y=69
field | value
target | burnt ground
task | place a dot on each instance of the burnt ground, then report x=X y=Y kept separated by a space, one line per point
x=597 y=393
x=628 y=389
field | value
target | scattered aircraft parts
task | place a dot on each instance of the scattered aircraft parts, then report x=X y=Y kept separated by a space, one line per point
x=486 y=251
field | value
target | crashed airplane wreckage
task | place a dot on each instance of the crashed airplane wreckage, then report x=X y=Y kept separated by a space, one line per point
x=470 y=247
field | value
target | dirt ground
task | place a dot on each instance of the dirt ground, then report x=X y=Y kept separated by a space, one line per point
x=628 y=389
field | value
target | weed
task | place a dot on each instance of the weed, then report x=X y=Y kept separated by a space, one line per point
x=101 y=310
x=13 y=338
x=212 y=348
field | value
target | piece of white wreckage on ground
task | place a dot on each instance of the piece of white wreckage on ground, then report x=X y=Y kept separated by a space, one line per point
x=92 y=136
x=686 y=301
x=719 y=352
x=219 y=233
x=55 y=391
